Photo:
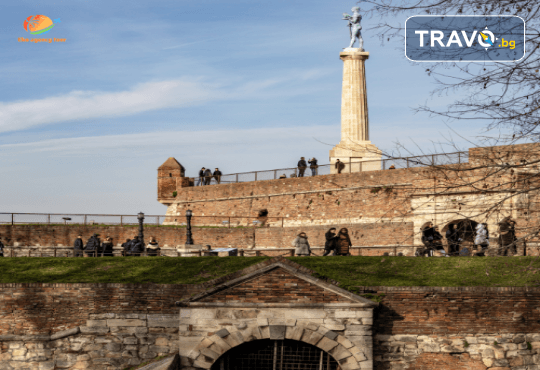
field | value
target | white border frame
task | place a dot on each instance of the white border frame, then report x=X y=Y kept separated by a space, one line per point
x=468 y=61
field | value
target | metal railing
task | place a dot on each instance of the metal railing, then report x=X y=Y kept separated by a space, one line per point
x=349 y=167
x=7 y=218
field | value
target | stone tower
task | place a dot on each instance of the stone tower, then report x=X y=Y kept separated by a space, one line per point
x=355 y=147
x=171 y=177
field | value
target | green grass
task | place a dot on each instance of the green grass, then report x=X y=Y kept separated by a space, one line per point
x=136 y=270
x=351 y=272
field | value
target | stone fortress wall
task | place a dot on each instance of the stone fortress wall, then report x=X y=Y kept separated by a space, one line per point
x=373 y=202
x=111 y=326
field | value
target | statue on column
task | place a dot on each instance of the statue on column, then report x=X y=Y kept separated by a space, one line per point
x=355 y=27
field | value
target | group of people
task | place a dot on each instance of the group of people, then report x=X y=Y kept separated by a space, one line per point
x=132 y=247
x=206 y=175
x=432 y=240
x=302 y=166
x=339 y=244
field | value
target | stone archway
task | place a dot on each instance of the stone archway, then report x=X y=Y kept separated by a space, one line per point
x=466 y=229
x=268 y=354
x=344 y=352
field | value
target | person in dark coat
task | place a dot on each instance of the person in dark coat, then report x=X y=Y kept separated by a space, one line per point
x=78 y=247
x=343 y=243
x=107 y=247
x=452 y=237
x=92 y=246
x=302 y=165
x=427 y=240
x=137 y=247
x=339 y=165
x=507 y=236
x=207 y=176
x=1 y=248
x=217 y=175
x=313 y=166
x=201 y=177
x=330 y=244
x=126 y=247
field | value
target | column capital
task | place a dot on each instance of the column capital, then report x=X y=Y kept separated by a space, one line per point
x=353 y=54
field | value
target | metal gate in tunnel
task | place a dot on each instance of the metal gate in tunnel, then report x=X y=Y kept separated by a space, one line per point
x=270 y=354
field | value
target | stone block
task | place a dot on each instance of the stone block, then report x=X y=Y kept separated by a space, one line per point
x=262 y=321
x=365 y=314
x=113 y=347
x=222 y=333
x=218 y=341
x=358 y=354
x=126 y=322
x=345 y=314
x=294 y=333
x=163 y=323
x=311 y=337
x=282 y=322
x=65 y=333
x=96 y=322
x=234 y=339
x=203 y=313
x=339 y=352
x=130 y=340
x=202 y=364
x=277 y=332
x=344 y=341
x=209 y=353
x=185 y=313
x=252 y=333
x=327 y=344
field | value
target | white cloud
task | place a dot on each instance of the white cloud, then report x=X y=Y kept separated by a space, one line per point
x=79 y=105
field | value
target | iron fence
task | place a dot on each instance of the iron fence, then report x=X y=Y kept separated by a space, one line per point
x=351 y=166
x=7 y=218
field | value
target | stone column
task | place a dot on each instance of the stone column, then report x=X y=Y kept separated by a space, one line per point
x=355 y=148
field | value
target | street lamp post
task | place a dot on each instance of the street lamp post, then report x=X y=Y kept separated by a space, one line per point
x=140 y=217
x=189 y=241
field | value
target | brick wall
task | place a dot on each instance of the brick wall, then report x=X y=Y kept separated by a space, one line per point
x=48 y=308
x=279 y=286
x=248 y=237
x=456 y=311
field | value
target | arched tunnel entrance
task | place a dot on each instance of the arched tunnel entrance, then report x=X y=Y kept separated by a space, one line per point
x=270 y=354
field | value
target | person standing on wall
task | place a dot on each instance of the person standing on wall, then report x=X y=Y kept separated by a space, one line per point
x=207 y=176
x=1 y=248
x=339 y=165
x=452 y=237
x=481 y=239
x=343 y=243
x=507 y=236
x=302 y=165
x=201 y=177
x=78 y=247
x=301 y=245
x=313 y=166
x=217 y=175
x=330 y=244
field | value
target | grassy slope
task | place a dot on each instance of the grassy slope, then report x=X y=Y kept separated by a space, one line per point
x=349 y=271
x=159 y=270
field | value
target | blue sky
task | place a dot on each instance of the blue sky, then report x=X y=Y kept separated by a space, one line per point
x=239 y=85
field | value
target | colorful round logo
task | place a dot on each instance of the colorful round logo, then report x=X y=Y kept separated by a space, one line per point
x=38 y=24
